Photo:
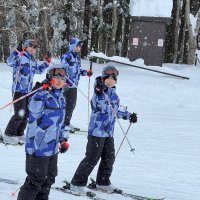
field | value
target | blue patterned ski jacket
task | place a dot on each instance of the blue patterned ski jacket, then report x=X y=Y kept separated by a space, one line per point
x=46 y=123
x=24 y=69
x=72 y=63
x=105 y=109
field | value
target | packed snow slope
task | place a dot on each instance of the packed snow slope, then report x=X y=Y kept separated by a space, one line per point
x=166 y=139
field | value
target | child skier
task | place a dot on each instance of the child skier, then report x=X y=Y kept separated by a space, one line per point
x=24 y=69
x=44 y=134
x=105 y=109
x=72 y=63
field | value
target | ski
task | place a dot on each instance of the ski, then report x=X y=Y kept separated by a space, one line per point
x=92 y=186
x=8 y=181
x=77 y=131
x=6 y=144
x=2 y=141
x=66 y=189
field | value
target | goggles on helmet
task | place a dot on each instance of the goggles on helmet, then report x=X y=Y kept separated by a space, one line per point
x=59 y=73
x=33 y=44
x=113 y=72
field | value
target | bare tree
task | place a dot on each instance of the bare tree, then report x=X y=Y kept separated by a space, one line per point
x=126 y=32
x=4 y=33
x=183 y=31
x=176 y=30
x=86 y=28
x=111 y=42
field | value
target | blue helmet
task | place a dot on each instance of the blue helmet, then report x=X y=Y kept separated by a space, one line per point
x=30 y=43
x=73 y=43
x=109 y=71
x=52 y=72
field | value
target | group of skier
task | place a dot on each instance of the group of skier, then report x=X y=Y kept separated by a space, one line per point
x=49 y=112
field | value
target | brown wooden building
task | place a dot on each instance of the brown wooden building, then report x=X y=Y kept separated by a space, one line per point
x=147 y=39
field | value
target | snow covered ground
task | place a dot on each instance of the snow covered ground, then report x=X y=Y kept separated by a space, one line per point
x=166 y=138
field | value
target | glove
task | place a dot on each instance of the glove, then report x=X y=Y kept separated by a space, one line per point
x=89 y=73
x=19 y=47
x=99 y=87
x=133 y=118
x=64 y=146
x=47 y=57
x=46 y=84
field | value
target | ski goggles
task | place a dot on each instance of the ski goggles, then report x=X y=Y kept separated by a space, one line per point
x=110 y=76
x=59 y=73
x=112 y=72
x=33 y=44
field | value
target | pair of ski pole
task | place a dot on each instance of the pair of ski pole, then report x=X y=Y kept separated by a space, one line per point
x=125 y=133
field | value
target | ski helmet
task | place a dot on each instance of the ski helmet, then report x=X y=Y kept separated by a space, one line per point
x=56 y=70
x=110 y=71
x=73 y=43
x=30 y=43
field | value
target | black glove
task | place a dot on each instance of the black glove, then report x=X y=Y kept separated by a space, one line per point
x=89 y=73
x=46 y=84
x=64 y=146
x=99 y=88
x=47 y=57
x=133 y=118
x=19 y=47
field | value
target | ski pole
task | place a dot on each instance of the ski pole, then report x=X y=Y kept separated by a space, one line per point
x=20 y=98
x=13 y=194
x=89 y=92
x=123 y=140
x=132 y=149
x=76 y=87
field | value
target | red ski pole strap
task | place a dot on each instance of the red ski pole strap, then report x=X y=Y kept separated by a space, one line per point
x=16 y=100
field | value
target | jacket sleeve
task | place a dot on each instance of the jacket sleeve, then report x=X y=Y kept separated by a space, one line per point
x=123 y=113
x=66 y=62
x=40 y=68
x=64 y=135
x=36 y=106
x=83 y=72
x=14 y=59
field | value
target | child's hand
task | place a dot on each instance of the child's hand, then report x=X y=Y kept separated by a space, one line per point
x=64 y=146
x=133 y=118
x=89 y=73
x=99 y=87
x=46 y=84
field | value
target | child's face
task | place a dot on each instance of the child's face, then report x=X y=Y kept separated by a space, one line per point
x=31 y=50
x=77 y=49
x=58 y=82
x=110 y=82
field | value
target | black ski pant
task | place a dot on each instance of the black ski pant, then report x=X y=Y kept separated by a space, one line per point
x=70 y=95
x=41 y=173
x=18 y=121
x=96 y=148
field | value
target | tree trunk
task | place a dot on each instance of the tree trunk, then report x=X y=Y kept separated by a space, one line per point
x=95 y=28
x=67 y=12
x=118 y=38
x=44 y=28
x=111 y=46
x=18 y=25
x=124 y=50
x=4 y=33
x=86 y=27
x=176 y=31
x=183 y=32
x=191 y=38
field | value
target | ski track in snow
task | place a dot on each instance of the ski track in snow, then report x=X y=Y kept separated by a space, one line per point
x=166 y=139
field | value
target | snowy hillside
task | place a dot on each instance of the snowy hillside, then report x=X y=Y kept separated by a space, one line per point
x=166 y=138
